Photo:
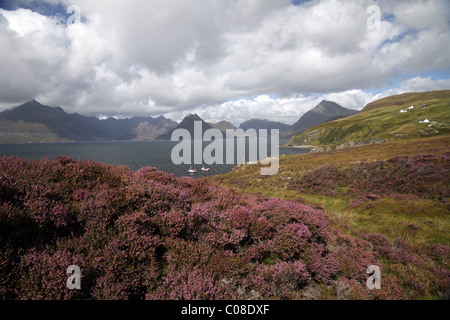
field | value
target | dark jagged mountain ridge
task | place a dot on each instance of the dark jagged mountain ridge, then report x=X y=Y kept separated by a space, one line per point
x=34 y=122
x=136 y=128
x=68 y=126
x=188 y=124
x=63 y=126
x=324 y=112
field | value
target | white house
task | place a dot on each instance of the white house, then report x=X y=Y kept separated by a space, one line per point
x=403 y=111
x=424 y=121
x=410 y=107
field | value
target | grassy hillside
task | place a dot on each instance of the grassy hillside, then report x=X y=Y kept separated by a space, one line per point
x=407 y=99
x=382 y=121
x=397 y=192
x=151 y=235
x=26 y=132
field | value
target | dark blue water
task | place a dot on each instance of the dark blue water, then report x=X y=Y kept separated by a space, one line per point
x=135 y=154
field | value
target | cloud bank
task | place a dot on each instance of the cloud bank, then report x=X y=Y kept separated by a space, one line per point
x=230 y=60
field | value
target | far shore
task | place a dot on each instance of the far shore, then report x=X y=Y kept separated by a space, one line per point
x=298 y=147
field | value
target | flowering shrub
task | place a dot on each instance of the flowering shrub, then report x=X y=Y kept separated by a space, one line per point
x=151 y=235
x=424 y=176
x=285 y=278
x=417 y=272
x=43 y=274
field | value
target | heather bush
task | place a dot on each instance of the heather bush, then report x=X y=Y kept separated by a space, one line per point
x=285 y=278
x=353 y=257
x=151 y=235
x=189 y=284
x=412 y=272
x=42 y=274
x=425 y=176
x=291 y=240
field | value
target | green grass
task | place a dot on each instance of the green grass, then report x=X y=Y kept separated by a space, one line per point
x=382 y=120
x=387 y=216
x=393 y=217
x=393 y=214
x=26 y=132
x=417 y=222
x=248 y=177
x=406 y=99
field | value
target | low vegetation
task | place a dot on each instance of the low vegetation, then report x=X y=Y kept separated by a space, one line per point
x=150 y=235
x=308 y=232
x=26 y=132
x=383 y=121
x=393 y=195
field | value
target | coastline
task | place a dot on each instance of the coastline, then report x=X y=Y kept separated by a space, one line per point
x=298 y=147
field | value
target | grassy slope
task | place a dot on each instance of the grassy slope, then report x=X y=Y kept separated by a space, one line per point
x=26 y=132
x=247 y=179
x=297 y=164
x=389 y=216
x=382 y=120
x=407 y=99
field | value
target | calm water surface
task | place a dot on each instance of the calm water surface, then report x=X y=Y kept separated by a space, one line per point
x=135 y=154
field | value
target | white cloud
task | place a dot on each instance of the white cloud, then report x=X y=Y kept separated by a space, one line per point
x=289 y=110
x=165 y=57
x=425 y=84
x=417 y=84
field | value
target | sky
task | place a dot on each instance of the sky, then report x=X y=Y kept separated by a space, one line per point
x=223 y=59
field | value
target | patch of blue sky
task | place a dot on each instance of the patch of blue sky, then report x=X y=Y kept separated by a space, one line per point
x=396 y=81
x=396 y=39
x=388 y=17
x=400 y=37
x=298 y=2
x=41 y=7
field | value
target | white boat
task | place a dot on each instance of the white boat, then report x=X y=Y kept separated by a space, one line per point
x=205 y=169
x=192 y=170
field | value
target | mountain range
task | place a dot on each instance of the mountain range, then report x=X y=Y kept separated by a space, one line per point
x=35 y=122
x=188 y=124
x=324 y=112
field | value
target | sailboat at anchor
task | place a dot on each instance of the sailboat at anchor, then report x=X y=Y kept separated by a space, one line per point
x=192 y=170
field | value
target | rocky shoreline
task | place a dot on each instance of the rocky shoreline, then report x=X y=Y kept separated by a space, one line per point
x=342 y=146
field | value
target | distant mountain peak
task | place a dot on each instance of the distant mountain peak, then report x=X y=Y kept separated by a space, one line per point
x=330 y=104
x=327 y=101
x=31 y=103
x=257 y=124
x=193 y=116
x=188 y=124
x=223 y=125
x=325 y=111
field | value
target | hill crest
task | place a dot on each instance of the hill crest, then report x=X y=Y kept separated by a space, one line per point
x=383 y=121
